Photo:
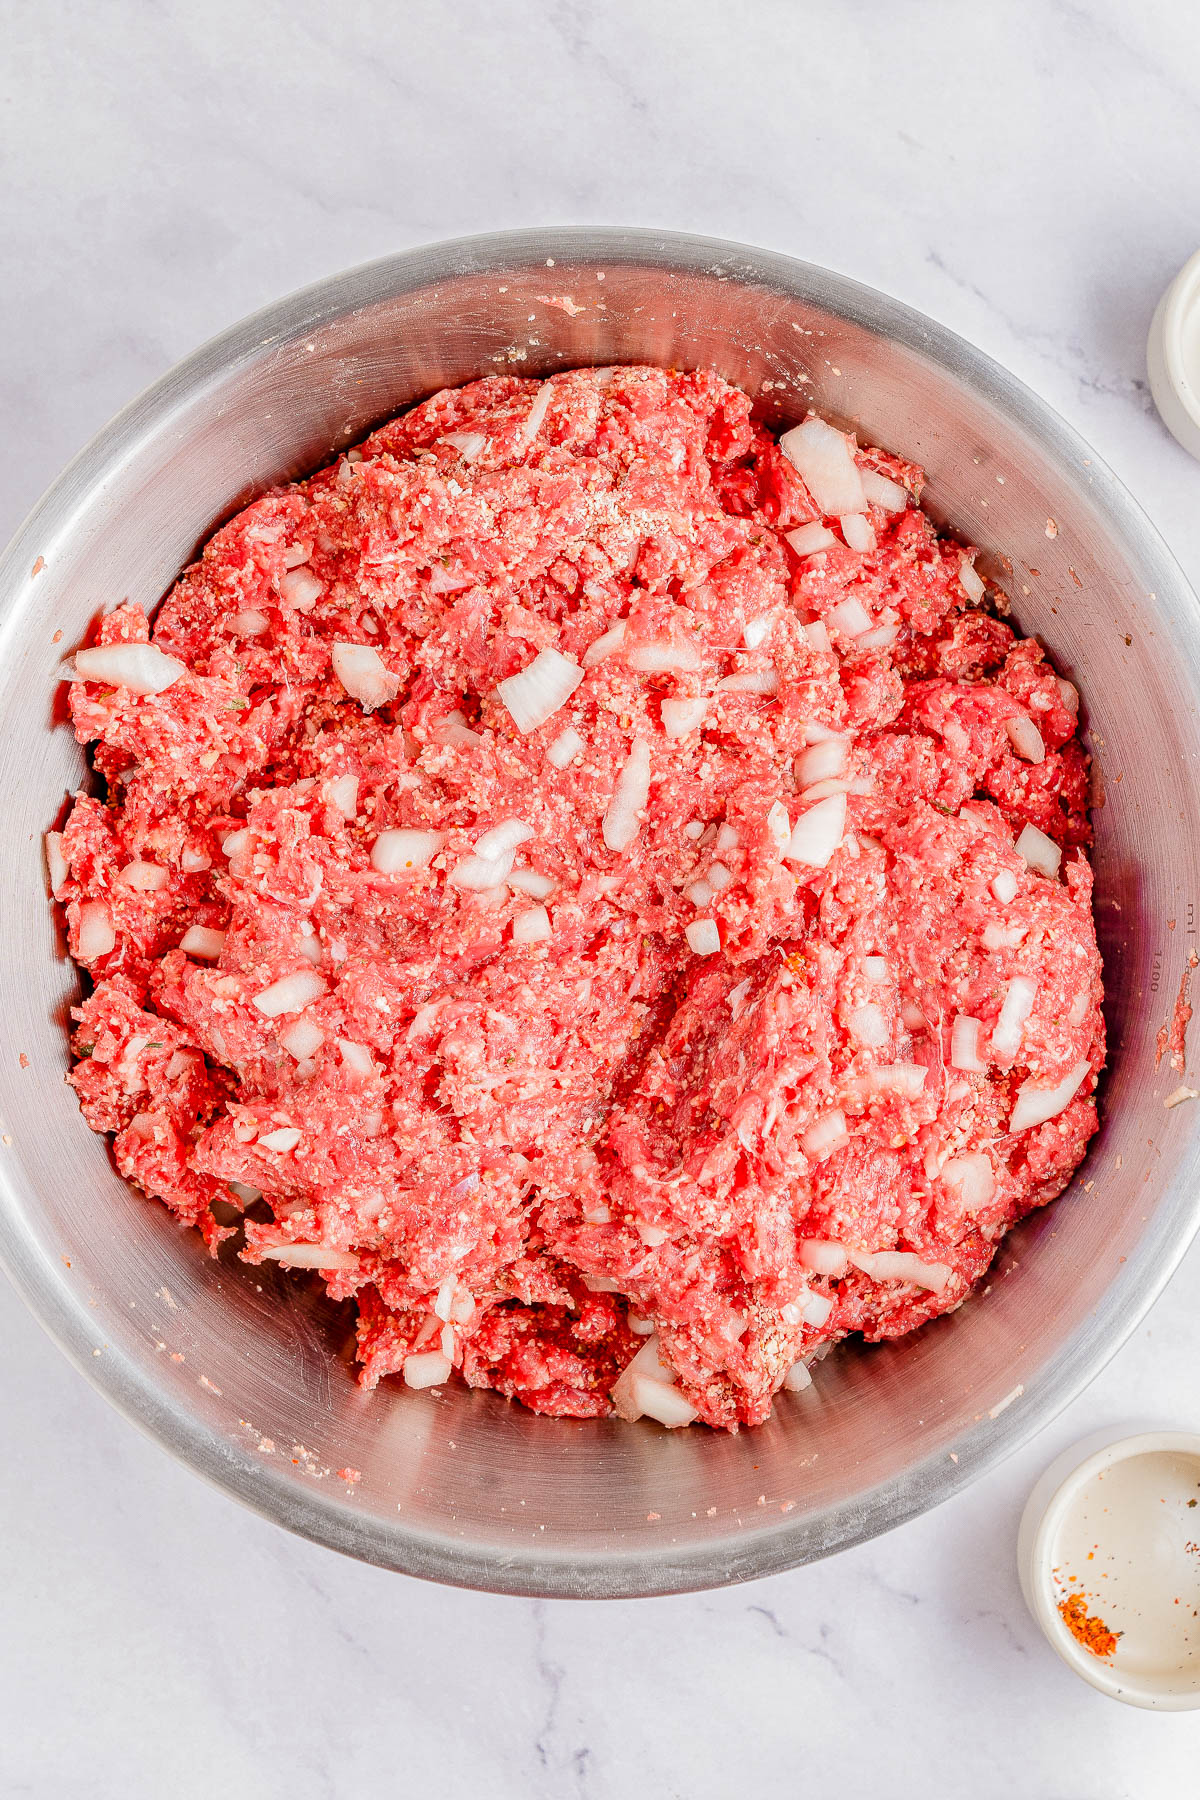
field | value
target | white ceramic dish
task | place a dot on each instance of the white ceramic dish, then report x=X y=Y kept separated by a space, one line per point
x=1173 y=356
x=1122 y=1528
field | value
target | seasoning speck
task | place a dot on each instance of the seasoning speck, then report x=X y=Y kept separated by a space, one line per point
x=1085 y=1627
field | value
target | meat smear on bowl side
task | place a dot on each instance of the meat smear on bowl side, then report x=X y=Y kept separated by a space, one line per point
x=600 y=887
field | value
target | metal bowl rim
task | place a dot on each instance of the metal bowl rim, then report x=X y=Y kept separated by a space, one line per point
x=65 y=1314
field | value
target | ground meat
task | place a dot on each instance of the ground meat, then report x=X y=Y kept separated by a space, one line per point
x=621 y=1108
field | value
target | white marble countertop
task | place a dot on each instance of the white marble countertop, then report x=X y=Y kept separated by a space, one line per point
x=1023 y=172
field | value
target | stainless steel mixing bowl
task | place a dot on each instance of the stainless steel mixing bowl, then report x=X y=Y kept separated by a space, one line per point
x=242 y=1373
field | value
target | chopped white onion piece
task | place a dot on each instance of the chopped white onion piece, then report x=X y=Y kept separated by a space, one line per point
x=454 y=731
x=968 y=574
x=310 y=1256
x=825 y=1135
x=57 y=866
x=309 y=948
x=901 y=1265
x=877 y=639
x=1003 y=937
x=364 y=675
x=900 y=1078
x=964 y=1044
x=665 y=657
x=1019 y=997
x=294 y=555
x=646 y=1363
x=970 y=1178
x=1025 y=738
x=822 y=1256
x=817 y=833
x=876 y=968
x=469 y=444
x=869 y=1026
x=913 y=1017
x=647 y=1387
x=501 y=838
x=202 y=942
x=249 y=622
x=142 y=668
x=1079 y=1007
x=856 y=529
x=565 y=748
x=703 y=936
x=757 y=631
x=816 y=733
x=532 y=422
x=281 y=1141
x=342 y=795
x=144 y=877
x=797 y=1378
x=666 y=1405
x=531 y=926
x=291 y=994
x=719 y=877
x=679 y=717
x=427 y=1369
x=1069 y=694
x=818 y=636
x=1040 y=852
x=1034 y=1105
x=815 y=1309
x=480 y=873
x=699 y=893
x=826 y=465
x=537 y=693
x=779 y=824
x=850 y=617
x=622 y=821
x=405 y=847
x=807 y=540
x=193 y=861
x=445 y=581
x=529 y=881
x=356 y=1057
x=95 y=936
x=302 y=1040
x=605 y=646
x=301 y=589
x=727 y=839
x=820 y=761
x=1004 y=887
x=889 y=496
x=750 y=681
x=234 y=842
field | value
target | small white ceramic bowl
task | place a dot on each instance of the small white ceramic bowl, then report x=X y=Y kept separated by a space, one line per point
x=1173 y=356
x=1122 y=1529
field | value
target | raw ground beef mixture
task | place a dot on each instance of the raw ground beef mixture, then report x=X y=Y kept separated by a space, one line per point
x=593 y=881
